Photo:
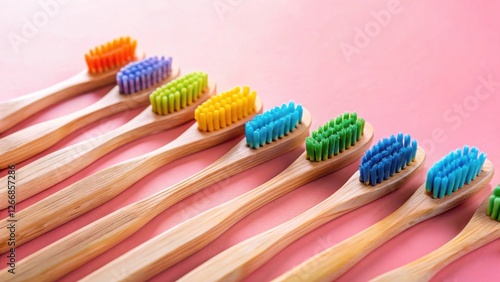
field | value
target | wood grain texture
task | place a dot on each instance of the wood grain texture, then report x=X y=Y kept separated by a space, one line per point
x=18 y=109
x=239 y=261
x=34 y=139
x=57 y=166
x=76 y=249
x=335 y=261
x=181 y=241
x=97 y=189
x=480 y=231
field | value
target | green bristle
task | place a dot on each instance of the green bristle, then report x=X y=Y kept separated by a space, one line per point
x=494 y=205
x=179 y=93
x=334 y=137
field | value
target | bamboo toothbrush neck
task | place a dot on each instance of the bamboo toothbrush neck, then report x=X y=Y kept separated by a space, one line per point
x=72 y=86
x=294 y=176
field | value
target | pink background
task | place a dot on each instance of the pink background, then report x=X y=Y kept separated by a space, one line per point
x=408 y=76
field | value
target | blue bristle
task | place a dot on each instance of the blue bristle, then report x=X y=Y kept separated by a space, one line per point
x=143 y=74
x=373 y=175
x=407 y=140
x=389 y=156
x=452 y=172
x=273 y=124
x=401 y=160
x=394 y=164
x=387 y=168
x=380 y=172
x=400 y=138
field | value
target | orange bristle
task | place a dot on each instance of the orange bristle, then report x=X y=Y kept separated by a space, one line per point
x=112 y=55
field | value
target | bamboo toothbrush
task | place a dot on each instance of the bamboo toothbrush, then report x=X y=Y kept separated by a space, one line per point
x=239 y=106
x=450 y=181
x=57 y=166
x=386 y=166
x=135 y=82
x=482 y=229
x=172 y=246
x=102 y=62
x=74 y=250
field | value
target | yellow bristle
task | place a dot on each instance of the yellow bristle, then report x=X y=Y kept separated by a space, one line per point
x=234 y=111
x=245 y=107
x=210 y=121
x=240 y=110
x=225 y=109
x=203 y=122
x=216 y=120
x=228 y=118
x=222 y=114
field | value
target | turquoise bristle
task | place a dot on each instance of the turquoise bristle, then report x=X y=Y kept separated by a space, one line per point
x=273 y=124
x=388 y=157
x=452 y=172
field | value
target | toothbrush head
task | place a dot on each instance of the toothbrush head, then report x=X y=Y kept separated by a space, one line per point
x=179 y=93
x=334 y=137
x=143 y=74
x=112 y=55
x=225 y=109
x=386 y=158
x=272 y=125
x=452 y=172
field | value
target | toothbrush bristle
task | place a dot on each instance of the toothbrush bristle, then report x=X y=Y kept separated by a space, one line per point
x=494 y=205
x=334 y=137
x=143 y=74
x=273 y=124
x=225 y=109
x=179 y=93
x=112 y=55
x=452 y=172
x=388 y=157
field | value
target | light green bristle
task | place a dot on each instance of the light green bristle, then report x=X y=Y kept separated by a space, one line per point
x=334 y=137
x=494 y=205
x=179 y=93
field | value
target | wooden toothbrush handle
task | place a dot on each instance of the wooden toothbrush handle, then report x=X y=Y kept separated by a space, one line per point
x=59 y=165
x=75 y=200
x=335 y=261
x=63 y=256
x=95 y=237
x=18 y=109
x=183 y=240
x=174 y=245
x=83 y=245
x=32 y=140
x=480 y=231
x=237 y=262
x=90 y=192
x=242 y=259
x=166 y=249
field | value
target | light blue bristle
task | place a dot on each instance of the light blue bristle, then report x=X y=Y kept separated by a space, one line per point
x=452 y=172
x=388 y=157
x=143 y=74
x=273 y=124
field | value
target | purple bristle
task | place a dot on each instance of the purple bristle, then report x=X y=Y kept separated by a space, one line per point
x=144 y=74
